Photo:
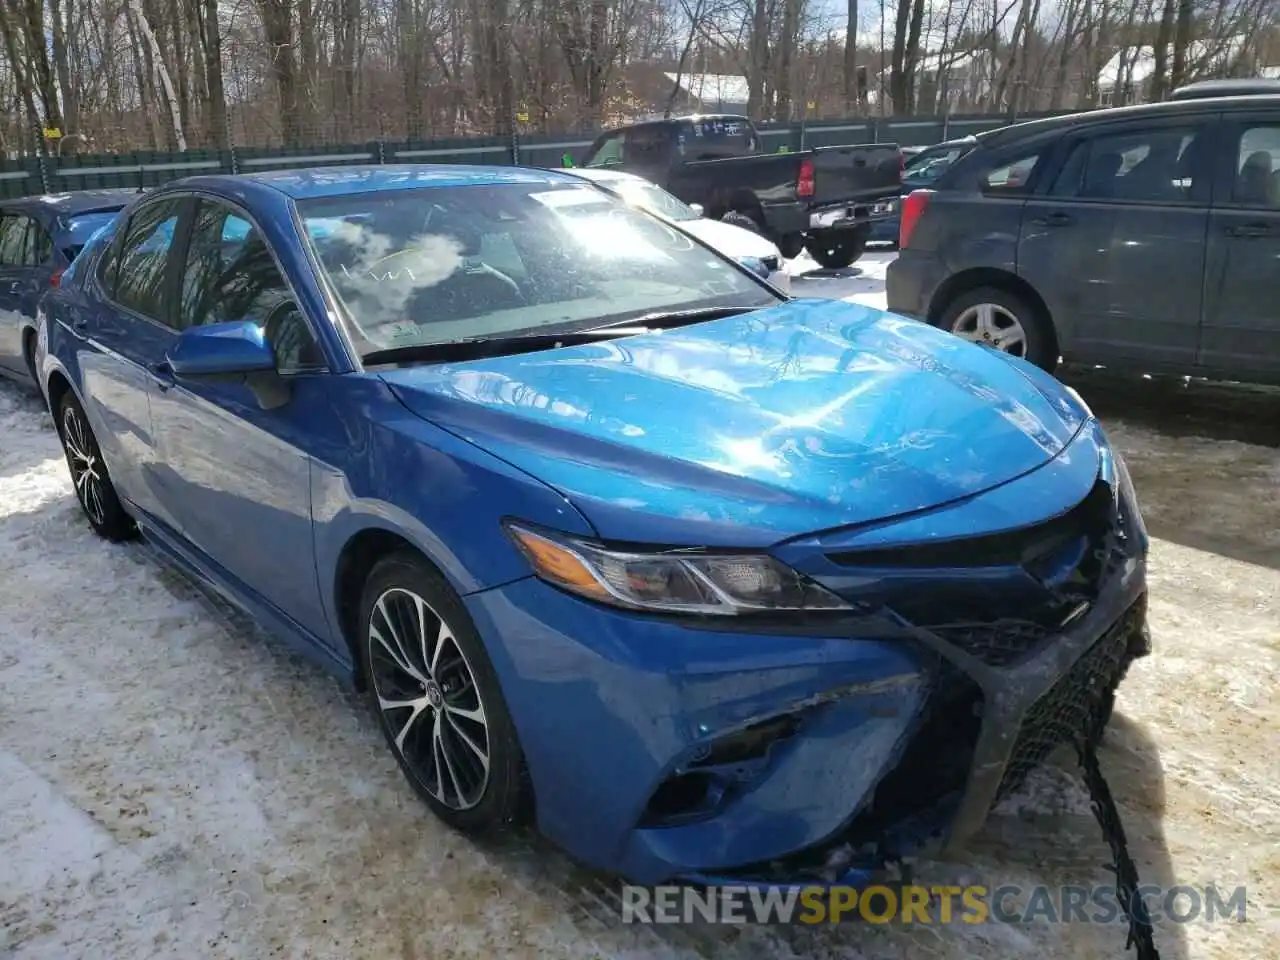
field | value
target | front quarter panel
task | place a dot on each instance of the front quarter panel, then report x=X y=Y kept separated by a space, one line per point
x=380 y=467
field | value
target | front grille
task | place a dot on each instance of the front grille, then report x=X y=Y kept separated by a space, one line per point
x=1063 y=713
x=1065 y=561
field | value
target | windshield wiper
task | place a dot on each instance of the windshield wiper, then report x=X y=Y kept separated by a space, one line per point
x=476 y=348
x=670 y=319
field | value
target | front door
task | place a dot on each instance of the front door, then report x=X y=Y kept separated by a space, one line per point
x=234 y=465
x=1116 y=245
x=1241 y=334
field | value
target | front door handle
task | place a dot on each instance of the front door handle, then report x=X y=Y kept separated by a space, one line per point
x=1053 y=220
x=1247 y=230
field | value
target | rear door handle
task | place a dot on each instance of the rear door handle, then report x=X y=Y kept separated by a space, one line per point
x=1053 y=220
x=163 y=374
x=1250 y=230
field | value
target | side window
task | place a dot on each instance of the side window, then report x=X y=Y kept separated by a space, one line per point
x=1258 y=168
x=143 y=258
x=1153 y=166
x=609 y=151
x=39 y=244
x=1011 y=177
x=13 y=240
x=230 y=275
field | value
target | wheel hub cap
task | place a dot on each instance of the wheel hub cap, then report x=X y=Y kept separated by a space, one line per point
x=430 y=702
x=992 y=325
x=85 y=468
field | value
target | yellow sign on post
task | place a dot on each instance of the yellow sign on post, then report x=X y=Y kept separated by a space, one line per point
x=812 y=105
x=52 y=133
x=522 y=117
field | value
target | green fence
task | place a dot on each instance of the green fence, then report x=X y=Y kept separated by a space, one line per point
x=144 y=169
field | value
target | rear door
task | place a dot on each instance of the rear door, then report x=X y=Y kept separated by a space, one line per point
x=1115 y=242
x=122 y=341
x=1241 y=331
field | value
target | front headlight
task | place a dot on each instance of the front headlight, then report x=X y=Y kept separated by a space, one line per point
x=701 y=583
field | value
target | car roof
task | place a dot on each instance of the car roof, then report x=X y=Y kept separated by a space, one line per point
x=1231 y=87
x=72 y=202
x=1166 y=108
x=316 y=182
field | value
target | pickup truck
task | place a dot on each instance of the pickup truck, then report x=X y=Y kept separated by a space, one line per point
x=823 y=200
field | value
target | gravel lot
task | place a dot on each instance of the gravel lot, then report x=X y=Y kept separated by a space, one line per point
x=173 y=784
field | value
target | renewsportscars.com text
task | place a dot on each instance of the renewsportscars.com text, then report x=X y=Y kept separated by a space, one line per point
x=920 y=904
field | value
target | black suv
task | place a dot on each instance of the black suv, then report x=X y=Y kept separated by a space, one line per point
x=1144 y=237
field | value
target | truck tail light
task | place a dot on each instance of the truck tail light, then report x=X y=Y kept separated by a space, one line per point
x=804 y=181
x=913 y=207
x=55 y=278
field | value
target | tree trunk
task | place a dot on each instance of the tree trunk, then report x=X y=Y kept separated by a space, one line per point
x=851 y=99
x=215 y=114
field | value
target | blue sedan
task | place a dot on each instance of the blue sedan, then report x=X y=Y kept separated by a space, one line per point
x=706 y=582
x=39 y=238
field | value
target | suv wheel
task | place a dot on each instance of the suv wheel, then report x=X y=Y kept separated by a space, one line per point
x=1003 y=321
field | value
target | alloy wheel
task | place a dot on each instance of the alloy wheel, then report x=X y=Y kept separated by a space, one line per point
x=85 y=464
x=992 y=325
x=430 y=703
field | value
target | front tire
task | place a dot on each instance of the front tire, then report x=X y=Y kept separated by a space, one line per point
x=437 y=698
x=1004 y=321
x=89 y=475
x=837 y=249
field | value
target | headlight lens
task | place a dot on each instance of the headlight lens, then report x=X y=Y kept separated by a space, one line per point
x=720 y=584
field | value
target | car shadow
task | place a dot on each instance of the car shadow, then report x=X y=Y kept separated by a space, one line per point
x=1204 y=458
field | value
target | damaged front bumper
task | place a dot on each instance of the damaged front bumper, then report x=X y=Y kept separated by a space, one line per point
x=818 y=752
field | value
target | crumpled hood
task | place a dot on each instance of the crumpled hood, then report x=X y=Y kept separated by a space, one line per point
x=807 y=416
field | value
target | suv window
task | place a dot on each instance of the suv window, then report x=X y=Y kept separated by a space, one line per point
x=23 y=242
x=1011 y=177
x=231 y=275
x=1258 y=167
x=139 y=269
x=1151 y=166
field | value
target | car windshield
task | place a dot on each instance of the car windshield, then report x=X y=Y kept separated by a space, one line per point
x=640 y=193
x=422 y=266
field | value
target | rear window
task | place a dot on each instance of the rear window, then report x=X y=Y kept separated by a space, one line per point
x=80 y=228
x=709 y=138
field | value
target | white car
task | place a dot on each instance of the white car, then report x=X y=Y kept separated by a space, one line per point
x=734 y=242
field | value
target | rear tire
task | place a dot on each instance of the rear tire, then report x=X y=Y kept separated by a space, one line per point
x=737 y=218
x=837 y=249
x=1004 y=321
x=437 y=698
x=89 y=476
x=790 y=245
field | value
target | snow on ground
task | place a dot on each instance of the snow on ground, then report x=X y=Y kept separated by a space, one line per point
x=174 y=784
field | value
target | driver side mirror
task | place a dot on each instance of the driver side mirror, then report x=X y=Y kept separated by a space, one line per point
x=236 y=352
x=697 y=208
x=222 y=349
